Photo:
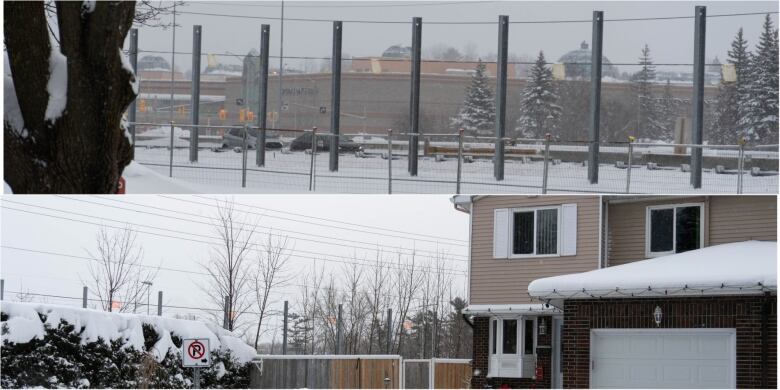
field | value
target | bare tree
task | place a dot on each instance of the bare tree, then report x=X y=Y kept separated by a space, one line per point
x=271 y=264
x=117 y=274
x=228 y=269
x=407 y=285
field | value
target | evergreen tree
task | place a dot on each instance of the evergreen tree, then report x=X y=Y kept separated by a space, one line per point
x=728 y=110
x=478 y=114
x=649 y=124
x=760 y=101
x=668 y=110
x=539 y=107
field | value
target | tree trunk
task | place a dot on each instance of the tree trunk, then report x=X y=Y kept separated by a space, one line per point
x=86 y=149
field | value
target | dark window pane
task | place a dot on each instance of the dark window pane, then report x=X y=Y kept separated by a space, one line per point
x=688 y=228
x=661 y=230
x=524 y=233
x=547 y=232
x=495 y=335
x=510 y=337
x=528 y=345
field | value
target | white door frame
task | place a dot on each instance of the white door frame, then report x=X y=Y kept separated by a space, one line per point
x=732 y=332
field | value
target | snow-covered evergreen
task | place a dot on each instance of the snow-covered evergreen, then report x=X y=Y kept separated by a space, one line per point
x=539 y=107
x=668 y=110
x=478 y=114
x=650 y=124
x=728 y=111
x=759 y=103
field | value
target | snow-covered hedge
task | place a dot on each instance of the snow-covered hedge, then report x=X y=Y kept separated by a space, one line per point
x=57 y=346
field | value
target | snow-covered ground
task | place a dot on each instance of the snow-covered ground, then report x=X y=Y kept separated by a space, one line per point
x=221 y=172
x=24 y=324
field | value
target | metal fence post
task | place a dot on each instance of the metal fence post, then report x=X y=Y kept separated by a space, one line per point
x=134 y=63
x=170 y=162
x=460 y=161
x=595 y=97
x=244 y=155
x=195 y=95
x=284 y=330
x=741 y=165
x=262 y=111
x=159 y=303
x=699 y=40
x=414 y=109
x=503 y=44
x=389 y=161
x=313 y=158
x=546 y=162
x=84 y=294
x=630 y=163
x=335 y=97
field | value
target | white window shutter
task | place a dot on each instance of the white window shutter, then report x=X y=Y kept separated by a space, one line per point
x=500 y=233
x=569 y=229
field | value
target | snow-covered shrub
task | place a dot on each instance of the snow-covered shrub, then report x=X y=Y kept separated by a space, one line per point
x=53 y=346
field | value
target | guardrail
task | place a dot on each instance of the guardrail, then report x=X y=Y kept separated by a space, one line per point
x=287 y=160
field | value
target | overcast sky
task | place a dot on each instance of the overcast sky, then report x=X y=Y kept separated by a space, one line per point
x=671 y=41
x=414 y=218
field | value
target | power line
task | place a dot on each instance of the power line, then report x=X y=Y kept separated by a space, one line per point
x=268 y=229
x=292 y=254
x=563 y=21
x=356 y=5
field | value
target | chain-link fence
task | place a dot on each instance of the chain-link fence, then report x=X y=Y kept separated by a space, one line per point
x=301 y=161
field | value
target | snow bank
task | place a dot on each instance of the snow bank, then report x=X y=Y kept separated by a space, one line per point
x=57 y=86
x=24 y=324
x=743 y=267
x=142 y=180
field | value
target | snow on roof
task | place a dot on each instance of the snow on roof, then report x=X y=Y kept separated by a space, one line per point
x=748 y=267
x=512 y=309
x=24 y=324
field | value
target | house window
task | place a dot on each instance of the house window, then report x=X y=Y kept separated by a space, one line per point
x=511 y=342
x=674 y=229
x=535 y=232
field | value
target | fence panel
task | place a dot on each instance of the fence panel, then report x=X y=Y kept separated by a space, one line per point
x=417 y=373
x=326 y=371
x=452 y=373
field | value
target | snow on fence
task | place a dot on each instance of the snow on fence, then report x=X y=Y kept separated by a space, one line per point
x=233 y=156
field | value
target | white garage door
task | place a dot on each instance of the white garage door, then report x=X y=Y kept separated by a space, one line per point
x=663 y=358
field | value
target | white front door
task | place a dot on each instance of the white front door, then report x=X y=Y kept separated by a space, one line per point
x=663 y=358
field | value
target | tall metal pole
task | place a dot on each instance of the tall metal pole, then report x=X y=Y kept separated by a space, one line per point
x=595 y=97
x=338 y=332
x=84 y=294
x=284 y=330
x=262 y=110
x=503 y=44
x=281 y=64
x=195 y=95
x=389 y=330
x=2 y=289
x=134 y=64
x=414 y=109
x=173 y=63
x=159 y=303
x=335 y=97
x=699 y=39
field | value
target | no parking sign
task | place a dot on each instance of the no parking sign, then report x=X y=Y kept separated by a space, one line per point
x=195 y=353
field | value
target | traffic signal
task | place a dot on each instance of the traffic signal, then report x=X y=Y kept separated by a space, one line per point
x=222 y=114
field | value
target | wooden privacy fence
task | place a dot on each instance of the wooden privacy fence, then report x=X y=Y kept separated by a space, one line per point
x=358 y=372
x=437 y=373
x=326 y=372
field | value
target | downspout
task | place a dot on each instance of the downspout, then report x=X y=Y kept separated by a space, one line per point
x=765 y=340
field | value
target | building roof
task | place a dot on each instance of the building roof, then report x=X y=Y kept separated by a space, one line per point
x=748 y=267
x=512 y=310
x=577 y=63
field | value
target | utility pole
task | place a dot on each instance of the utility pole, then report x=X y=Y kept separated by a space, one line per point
x=501 y=65
x=595 y=97
x=284 y=331
x=338 y=332
x=281 y=63
x=159 y=303
x=173 y=63
x=389 y=330
x=84 y=293
x=699 y=39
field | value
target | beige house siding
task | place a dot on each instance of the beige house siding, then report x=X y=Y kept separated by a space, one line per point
x=505 y=281
x=726 y=219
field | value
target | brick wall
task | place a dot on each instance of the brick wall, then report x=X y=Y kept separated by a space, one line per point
x=480 y=359
x=741 y=312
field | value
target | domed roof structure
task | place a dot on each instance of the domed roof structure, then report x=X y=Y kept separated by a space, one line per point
x=397 y=51
x=577 y=64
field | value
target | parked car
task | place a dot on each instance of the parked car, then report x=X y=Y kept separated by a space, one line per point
x=303 y=142
x=234 y=138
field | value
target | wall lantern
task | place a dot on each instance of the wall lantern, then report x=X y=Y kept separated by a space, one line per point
x=542 y=326
x=658 y=315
